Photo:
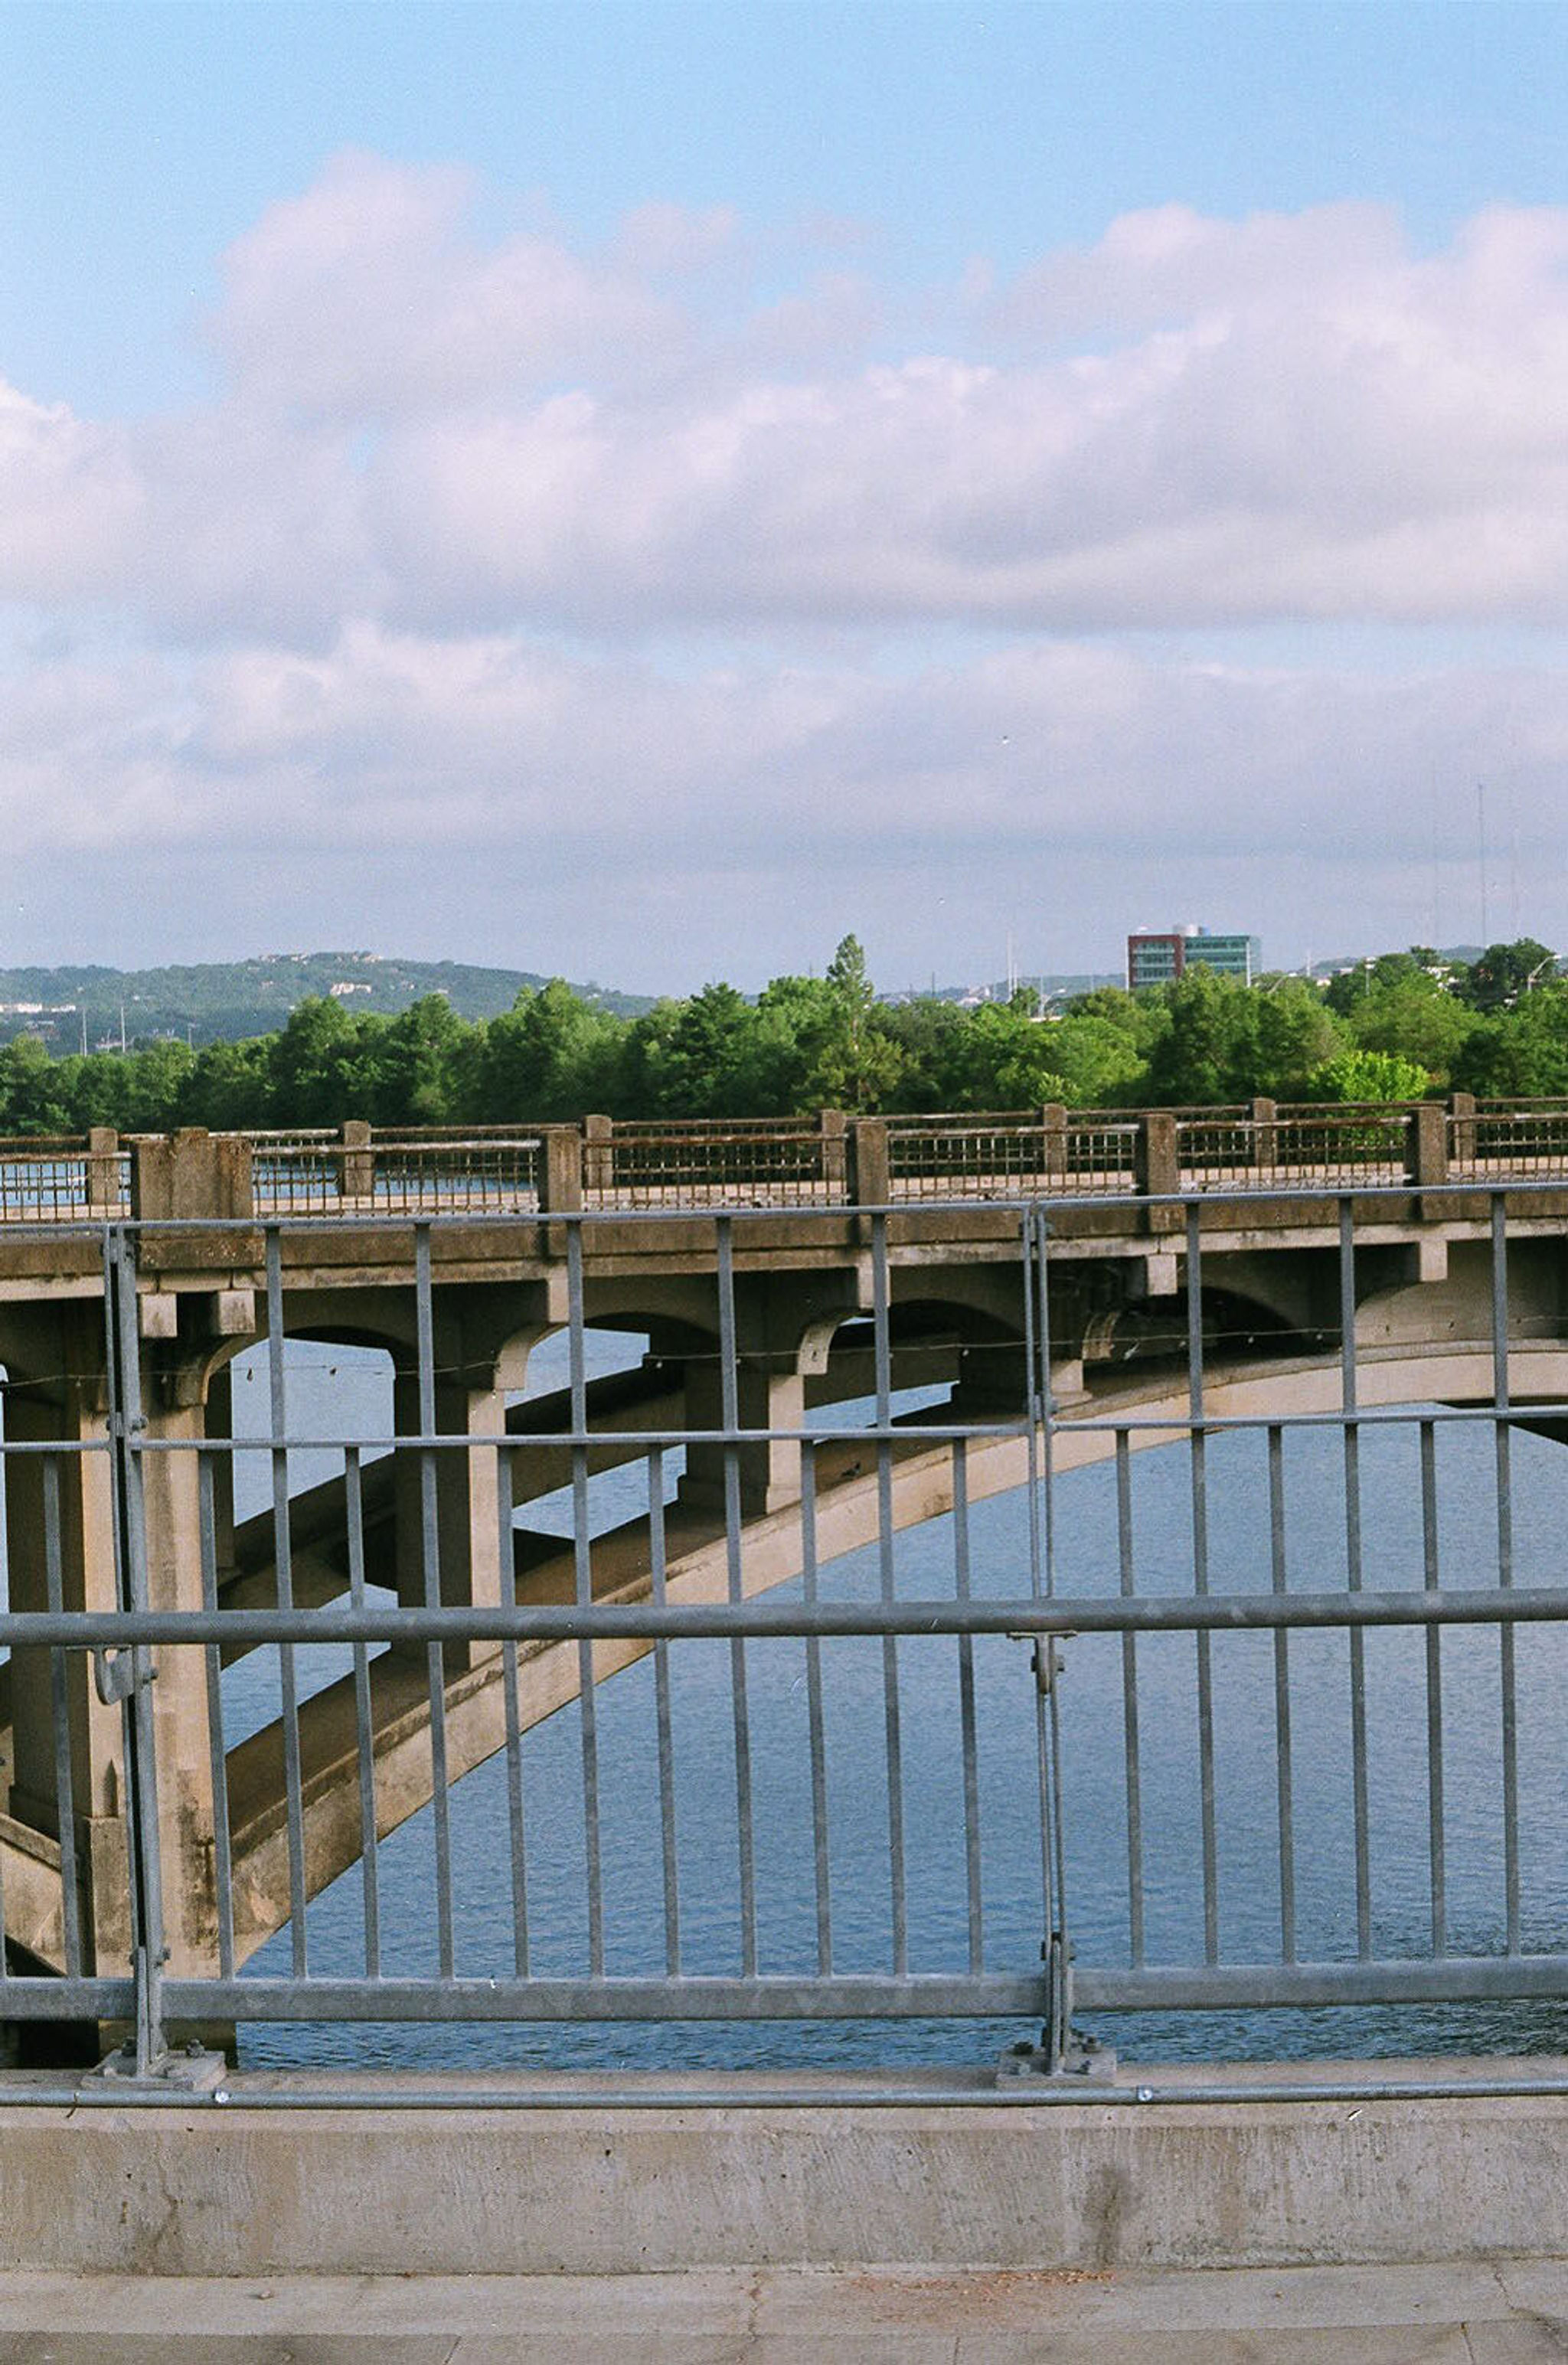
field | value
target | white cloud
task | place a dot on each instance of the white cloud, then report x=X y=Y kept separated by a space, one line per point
x=1195 y=422
x=446 y=563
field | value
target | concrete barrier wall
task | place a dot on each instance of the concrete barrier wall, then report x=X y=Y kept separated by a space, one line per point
x=211 y=2190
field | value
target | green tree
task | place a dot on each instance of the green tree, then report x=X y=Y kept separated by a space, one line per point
x=854 y=1060
x=931 y=1036
x=550 y=1058
x=415 y=1068
x=1505 y=972
x=31 y=1100
x=1414 y=1017
x=1295 y=1033
x=311 y=1066
x=1211 y=1052
x=1377 y=1076
x=229 y=1088
x=1519 y=1053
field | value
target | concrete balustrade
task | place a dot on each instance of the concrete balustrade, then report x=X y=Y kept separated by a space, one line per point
x=830 y=1158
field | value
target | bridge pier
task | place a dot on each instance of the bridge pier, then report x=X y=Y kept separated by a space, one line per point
x=770 y=1394
x=60 y=1526
x=464 y=1497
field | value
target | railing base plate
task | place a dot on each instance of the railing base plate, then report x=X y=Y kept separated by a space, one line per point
x=191 y=2070
x=1084 y=2062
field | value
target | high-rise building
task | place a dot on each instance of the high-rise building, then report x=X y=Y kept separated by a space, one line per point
x=1154 y=959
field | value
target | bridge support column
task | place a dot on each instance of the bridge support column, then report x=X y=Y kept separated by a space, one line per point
x=771 y=1395
x=73 y=1411
x=171 y=1486
x=468 y=1502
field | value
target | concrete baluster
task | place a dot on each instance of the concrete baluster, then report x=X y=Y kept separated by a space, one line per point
x=356 y=1166
x=1265 y=1136
x=1428 y=1150
x=832 y=1128
x=1053 y=1117
x=598 y=1156
x=870 y=1180
x=102 y=1169
x=561 y=1181
x=192 y=1176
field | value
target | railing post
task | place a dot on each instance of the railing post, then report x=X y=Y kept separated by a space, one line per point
x=1156 y=1168
x=191 y=1174
x=1463 y=1107
x=1265 y=1140
x=1053 y=1117
x=561 y=1182
x=103 y=1168
x=869 y=1177
x=356 y=1168
x=1429 y=1150
x=830 y=1130
x=598 y=1156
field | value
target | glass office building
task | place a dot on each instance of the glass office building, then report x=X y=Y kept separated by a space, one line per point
x=1156 y=958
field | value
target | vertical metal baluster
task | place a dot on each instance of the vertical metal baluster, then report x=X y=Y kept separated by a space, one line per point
x=897 y=1865
x=430 y=1570
x=730 y=1415
x=1434 y=1691
x=283 y=1553
x=1198 y=1448
x=59 y=1715
x=506 y=1489
x=1130 y=1737
x=1506 y=1635
x=967 y=1704
x=218 y=1756
x=657 y=1559
x=139 y=1727
x=1353 y=1450
x=1038 y=1452
x=814 y=1707
x=1041 y=1423
x=364 y=1730
x=1283 y=1767
x=583 y=1596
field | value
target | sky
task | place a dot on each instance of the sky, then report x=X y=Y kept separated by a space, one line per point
x=641 y=491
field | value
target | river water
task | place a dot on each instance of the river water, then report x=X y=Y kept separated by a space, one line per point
x=347 y=1392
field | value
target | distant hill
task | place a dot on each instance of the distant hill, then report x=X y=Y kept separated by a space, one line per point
x=213 y=1001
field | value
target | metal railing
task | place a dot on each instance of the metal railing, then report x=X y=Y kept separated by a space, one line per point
x=1187 y=1750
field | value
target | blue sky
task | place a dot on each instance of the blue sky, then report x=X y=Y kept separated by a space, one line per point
x=641 y=491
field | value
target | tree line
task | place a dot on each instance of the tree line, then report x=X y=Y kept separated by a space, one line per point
x=1402 y=1026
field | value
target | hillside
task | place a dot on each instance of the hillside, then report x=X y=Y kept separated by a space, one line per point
x=215 y=1001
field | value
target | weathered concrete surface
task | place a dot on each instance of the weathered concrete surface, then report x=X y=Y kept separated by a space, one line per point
x=1082 y=2188
x=1513 y=2313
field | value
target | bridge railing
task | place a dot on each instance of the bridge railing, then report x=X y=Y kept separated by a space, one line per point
x=399 y=1173
x=830 y=1158
x=1268 y=1720
x=783 y=1162
x=995 y=1157
x=1272 y=1147
x=62 y=1177
x=1490 y=1139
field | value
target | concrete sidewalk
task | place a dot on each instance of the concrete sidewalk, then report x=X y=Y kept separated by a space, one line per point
x=1502 y=2312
